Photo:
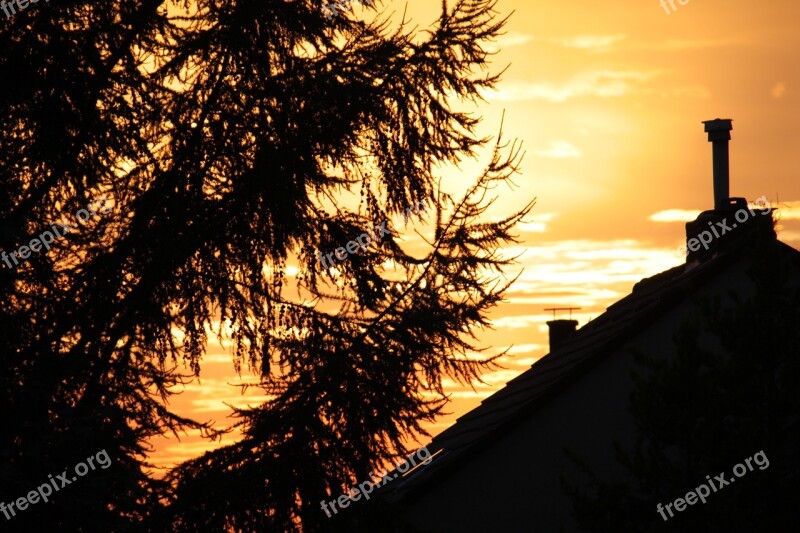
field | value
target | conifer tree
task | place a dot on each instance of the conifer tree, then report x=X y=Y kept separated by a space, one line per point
x=227 y=135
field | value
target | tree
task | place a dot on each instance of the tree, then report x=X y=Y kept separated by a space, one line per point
x=729 y=393
x=227 y=136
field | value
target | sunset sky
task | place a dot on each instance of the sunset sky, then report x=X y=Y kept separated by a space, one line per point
x=607 y=99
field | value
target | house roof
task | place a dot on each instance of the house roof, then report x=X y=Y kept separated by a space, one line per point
x=500 y=412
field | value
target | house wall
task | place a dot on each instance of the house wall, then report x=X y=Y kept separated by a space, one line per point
x=515 y=484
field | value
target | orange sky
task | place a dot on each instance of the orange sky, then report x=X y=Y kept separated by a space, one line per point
x=608 y=99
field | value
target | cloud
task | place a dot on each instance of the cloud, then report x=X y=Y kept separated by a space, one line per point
x=512 y=39
x=591 y=43
x=605 y=43
x=535 y=223
x=778 y=90
x=469 y=395
x=789 y=236
x=673 y=45
x=218 y=403
x=524 y=348
x=693 y=91
x=789 y=210
x=595 y=43
x=675 y=215
x=578 y=267
x=563 y=296
x=559 y=150
x=598 y=83
x=515 y=322
x=508 y=40
x=532 y=227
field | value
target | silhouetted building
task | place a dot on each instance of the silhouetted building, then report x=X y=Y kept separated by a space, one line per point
x=500 y=466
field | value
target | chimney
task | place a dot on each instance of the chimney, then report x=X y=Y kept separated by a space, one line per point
x=732 y=221
x=719 y=133
x=560 y=331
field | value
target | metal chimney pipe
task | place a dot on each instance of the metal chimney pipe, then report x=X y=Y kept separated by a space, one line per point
x=719 y=134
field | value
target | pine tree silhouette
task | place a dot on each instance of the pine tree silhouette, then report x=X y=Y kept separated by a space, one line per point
x=226 y=136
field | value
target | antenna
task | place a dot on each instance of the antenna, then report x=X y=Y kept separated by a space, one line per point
x=554 y=309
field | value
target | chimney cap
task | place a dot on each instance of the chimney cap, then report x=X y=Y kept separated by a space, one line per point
x=718 y=124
